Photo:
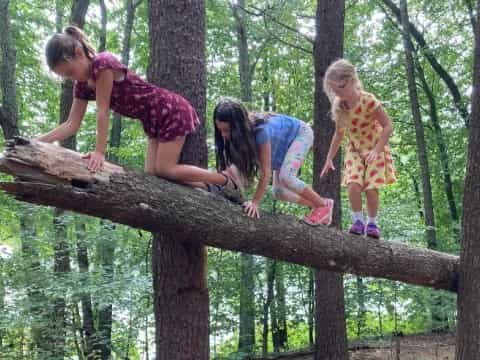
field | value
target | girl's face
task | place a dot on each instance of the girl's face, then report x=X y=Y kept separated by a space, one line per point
x=76 y=69
x=224 y=128
x=343 y=89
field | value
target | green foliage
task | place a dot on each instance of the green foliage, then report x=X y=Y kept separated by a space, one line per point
x=283 y=73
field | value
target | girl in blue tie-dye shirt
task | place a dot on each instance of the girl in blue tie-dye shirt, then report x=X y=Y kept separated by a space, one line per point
x=269 y=142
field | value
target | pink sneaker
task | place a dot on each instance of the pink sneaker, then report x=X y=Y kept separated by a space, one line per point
x=321 y=215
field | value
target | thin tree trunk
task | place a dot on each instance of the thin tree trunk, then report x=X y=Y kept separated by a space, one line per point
x=438 y=319
x=177 y=43
x=459 y=102
x=468 y=334
x=273 y=310
x=282 y=331
x=246 y=340
x=471 y=14
x=62 y=252
x=271 y=265
x=60 y=269
x=8 y=103
x=380 y=310
x=361 y=311
x=331 y=333
x=9 y=124
x=442 y=148
x=105 y=249
x=103 y=26
x=311 y=306
x=8 y=63
x=115 y=133
x=88 y=325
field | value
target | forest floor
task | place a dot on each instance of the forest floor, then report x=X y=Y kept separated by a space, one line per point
x=432 y=346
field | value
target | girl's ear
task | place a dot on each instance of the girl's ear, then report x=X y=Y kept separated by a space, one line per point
x=79 y=52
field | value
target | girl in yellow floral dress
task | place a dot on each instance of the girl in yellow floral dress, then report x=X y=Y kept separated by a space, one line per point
x=368 y=164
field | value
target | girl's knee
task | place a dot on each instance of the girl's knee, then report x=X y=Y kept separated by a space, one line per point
x=354 y=188
x=277 y=193
x=167 y=172
x=293 y=184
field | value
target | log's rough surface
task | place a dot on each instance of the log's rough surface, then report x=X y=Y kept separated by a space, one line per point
x=51 y=175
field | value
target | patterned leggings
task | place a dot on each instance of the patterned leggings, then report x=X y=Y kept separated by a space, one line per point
x=286 y=184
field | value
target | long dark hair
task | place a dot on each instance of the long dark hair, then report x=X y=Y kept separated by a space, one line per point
x=61 y=46
x=240 y=149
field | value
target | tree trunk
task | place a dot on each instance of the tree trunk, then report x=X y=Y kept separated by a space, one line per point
x=361 y=312
x=9 y=122
x=471 y=14
x=105 y=249
x=51 y=175
x=442 y=149
x=282 y=331
x=271 y=264
x=103 y=28
x=331 y=333
x=115 y=133
x=8 y=62
x=438 y=320
x=468 y=334
x=311 y=305
x=62 y=253
x=177 y=43
x=60 y=269
x=88 y=323
x=8 y=103
x=459 y=102
x=246 y=340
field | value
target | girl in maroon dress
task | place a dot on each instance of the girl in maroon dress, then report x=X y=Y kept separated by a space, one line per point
x=167 y=118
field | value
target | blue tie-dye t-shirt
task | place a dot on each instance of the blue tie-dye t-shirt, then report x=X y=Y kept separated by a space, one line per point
x=280 y=131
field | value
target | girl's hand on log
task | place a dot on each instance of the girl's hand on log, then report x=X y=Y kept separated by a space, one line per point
x=96 y=160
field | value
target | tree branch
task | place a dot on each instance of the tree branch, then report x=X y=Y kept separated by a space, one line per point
x=50 y=175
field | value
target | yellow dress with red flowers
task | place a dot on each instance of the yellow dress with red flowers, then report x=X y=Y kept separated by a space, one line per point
x=362 y=132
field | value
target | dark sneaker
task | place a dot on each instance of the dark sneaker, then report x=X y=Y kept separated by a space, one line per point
x=357 y=228
x=373 y=231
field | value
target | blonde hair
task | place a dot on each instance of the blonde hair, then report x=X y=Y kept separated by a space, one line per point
x=339 y=70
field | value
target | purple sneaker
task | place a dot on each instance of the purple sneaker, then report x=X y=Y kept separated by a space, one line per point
x=373 y=231
x=357 y=228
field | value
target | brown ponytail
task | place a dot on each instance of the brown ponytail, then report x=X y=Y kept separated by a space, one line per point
x=61 y=46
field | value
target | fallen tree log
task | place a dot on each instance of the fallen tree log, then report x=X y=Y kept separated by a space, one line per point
x=51 y=175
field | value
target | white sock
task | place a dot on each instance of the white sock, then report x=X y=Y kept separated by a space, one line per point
x=372 y=220
x=357 y=216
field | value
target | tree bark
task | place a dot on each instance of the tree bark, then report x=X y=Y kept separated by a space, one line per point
x=270 y=270
x=8 y=62
x=438 y=321
x=442 y=149
x=177 y=48
x=361 y=310
x=468 y=335
x=281 y=331
x=51 y=175
x=8 y=103
x=61 y=248
x=246 y=339
x=330 y=325
x=116 y=130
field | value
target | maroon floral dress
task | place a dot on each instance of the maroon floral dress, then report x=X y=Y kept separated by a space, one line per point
x=164 y=114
